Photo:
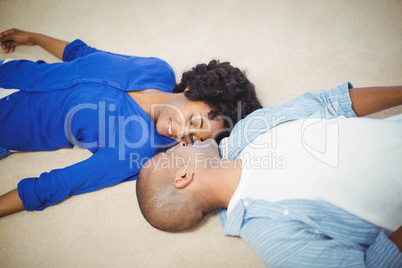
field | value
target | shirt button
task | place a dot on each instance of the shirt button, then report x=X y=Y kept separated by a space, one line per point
x=8 y=98
x=84 y=79
x=66 y=85
x=245 y=203
x=285 y=212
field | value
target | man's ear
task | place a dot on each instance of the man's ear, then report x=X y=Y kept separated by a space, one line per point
x=183 y=179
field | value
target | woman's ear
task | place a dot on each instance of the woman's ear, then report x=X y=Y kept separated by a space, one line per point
x=183 y=180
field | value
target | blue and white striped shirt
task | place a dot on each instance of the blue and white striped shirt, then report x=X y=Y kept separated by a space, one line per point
x=303 y=233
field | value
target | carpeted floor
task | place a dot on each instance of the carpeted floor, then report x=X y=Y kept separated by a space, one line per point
x=286 y=47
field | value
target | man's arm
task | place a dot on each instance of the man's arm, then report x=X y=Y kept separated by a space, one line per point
x=12 y=38
x=396 y=238
x=370 y=100
x=10 y=203
x=290 y=244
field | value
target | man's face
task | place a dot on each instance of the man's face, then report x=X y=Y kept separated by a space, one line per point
x=198 y=156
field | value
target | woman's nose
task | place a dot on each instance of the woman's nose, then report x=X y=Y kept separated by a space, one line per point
x=183 y=133
x=186 y=132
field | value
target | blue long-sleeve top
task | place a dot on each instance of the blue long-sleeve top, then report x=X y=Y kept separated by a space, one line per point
x=81 y=101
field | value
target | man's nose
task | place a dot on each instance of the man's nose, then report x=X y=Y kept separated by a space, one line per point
x=181 y=144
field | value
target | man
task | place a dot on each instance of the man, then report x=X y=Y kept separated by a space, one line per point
x=315 y=192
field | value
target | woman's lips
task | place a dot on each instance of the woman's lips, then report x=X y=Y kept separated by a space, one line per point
x=169 y=128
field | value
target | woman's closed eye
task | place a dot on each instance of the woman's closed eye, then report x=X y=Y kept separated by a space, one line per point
x=195 y=123
x=194 y=120
x=193 y=139
x=191 y=120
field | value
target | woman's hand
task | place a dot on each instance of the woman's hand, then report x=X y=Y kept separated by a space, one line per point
x=12 y=38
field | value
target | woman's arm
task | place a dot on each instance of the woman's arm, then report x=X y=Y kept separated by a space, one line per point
x=12 y=38
x=10 y=203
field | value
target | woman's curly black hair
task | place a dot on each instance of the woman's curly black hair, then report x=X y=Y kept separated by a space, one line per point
x=224 y=88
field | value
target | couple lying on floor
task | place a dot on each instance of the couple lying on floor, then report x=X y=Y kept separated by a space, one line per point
x=302 y=183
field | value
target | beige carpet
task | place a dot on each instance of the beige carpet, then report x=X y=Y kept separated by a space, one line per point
x=286 y=47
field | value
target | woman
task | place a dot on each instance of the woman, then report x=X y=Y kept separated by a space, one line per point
x=123 y=109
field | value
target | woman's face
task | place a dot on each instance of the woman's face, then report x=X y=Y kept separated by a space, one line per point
x=187 y=121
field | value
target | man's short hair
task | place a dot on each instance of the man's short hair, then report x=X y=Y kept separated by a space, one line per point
x=165 y=207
